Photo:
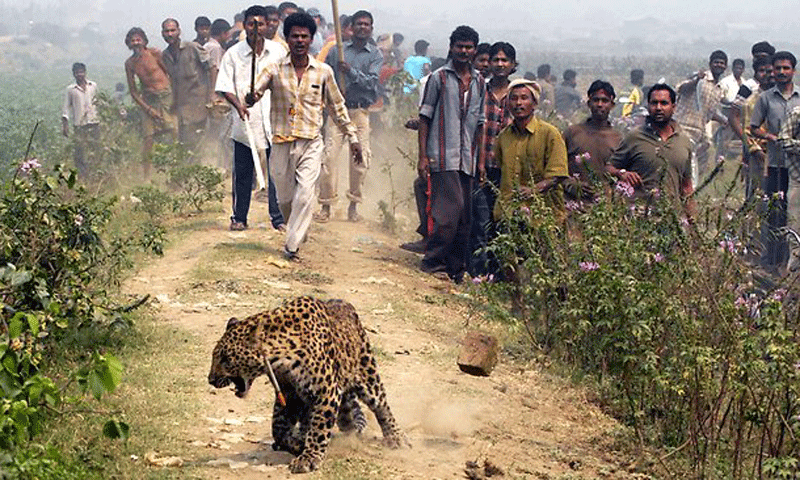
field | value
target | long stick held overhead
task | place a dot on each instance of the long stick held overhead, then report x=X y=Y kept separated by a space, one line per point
x=338 y=28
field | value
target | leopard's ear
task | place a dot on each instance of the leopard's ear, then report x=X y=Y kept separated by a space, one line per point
x=233 y=321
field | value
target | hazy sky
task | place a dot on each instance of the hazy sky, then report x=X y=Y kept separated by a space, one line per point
x=545 y=19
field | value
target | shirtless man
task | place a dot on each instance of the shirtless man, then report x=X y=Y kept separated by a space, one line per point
x=155 y=97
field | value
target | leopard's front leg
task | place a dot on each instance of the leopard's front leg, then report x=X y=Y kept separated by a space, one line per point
x=284 y=421
x=322 y=416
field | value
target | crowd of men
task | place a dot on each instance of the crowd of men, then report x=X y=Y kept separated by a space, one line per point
x=294 y=99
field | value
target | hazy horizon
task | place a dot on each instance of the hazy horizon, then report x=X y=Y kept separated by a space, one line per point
x=715 y=19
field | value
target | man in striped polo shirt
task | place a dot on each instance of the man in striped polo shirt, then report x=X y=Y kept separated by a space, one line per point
x=450 y=130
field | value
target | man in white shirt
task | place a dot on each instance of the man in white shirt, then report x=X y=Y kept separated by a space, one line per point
x=730 y=84
x=234 y=82
x=79 y=106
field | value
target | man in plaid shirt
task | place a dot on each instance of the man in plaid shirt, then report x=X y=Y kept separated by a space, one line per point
x=698 y=100
x=301 y=88
x=502 y=63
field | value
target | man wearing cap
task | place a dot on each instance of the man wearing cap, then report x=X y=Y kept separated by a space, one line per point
x=530 y=152
x=451 y=119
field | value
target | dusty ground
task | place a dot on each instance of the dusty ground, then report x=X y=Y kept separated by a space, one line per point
x=524 y=421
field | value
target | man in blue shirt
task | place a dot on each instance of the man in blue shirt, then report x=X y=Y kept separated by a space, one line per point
x=357 y=77
x=419 y=64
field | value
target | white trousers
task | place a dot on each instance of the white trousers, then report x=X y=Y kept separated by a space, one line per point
x=295 y=167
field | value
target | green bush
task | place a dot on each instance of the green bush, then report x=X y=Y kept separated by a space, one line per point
x=57 y=258
x=194 y=185
x=667 y=317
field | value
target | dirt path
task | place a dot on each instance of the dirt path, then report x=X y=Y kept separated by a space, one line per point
x=525 y=422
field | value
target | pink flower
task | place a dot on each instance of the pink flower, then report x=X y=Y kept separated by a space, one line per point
x=778 y=294
x=656 y=193
x=525 y=210
x=779 y=195
x=588 y=266
x=658 y=257
x=727 y=246
x=624 y=189
x=572 y=205
x=740 y=303
x=30 y=164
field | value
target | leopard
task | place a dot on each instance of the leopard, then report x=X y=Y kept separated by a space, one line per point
x=323 y=364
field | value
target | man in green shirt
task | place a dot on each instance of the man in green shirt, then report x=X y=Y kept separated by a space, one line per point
x=531 y=153
x=656 y=156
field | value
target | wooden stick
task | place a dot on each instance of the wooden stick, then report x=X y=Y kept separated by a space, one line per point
x=338 y=28
x=253 y=72
x=251 y=139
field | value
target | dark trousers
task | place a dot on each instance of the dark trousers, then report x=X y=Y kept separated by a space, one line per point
x=775 y=248
x=482 y=231
x=421 y=198
x=243 y=183
x=451 y=211
x=87 y=149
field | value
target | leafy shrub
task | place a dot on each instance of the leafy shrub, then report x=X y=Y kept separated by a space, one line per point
x=57 y=258
x=152 y=201
x=667 y=317
x=196 y=185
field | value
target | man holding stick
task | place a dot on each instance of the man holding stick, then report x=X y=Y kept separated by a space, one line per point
x=237 y=76
x=301 y=87
x=358 y=77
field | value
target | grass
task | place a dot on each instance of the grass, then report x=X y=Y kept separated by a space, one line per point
x=152 y=404
x=308 y=277
x=350 y=468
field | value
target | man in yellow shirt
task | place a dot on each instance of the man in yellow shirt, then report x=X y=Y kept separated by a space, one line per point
x=530 y=152
x=634 y=97
x=347 y=34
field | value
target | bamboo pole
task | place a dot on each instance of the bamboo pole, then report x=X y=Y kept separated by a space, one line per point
x=338 y=28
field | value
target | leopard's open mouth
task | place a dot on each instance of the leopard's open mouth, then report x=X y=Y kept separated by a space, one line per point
x=219 y=382
x=242 y=386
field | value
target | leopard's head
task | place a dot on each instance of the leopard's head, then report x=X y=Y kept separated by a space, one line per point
x=237 y=357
